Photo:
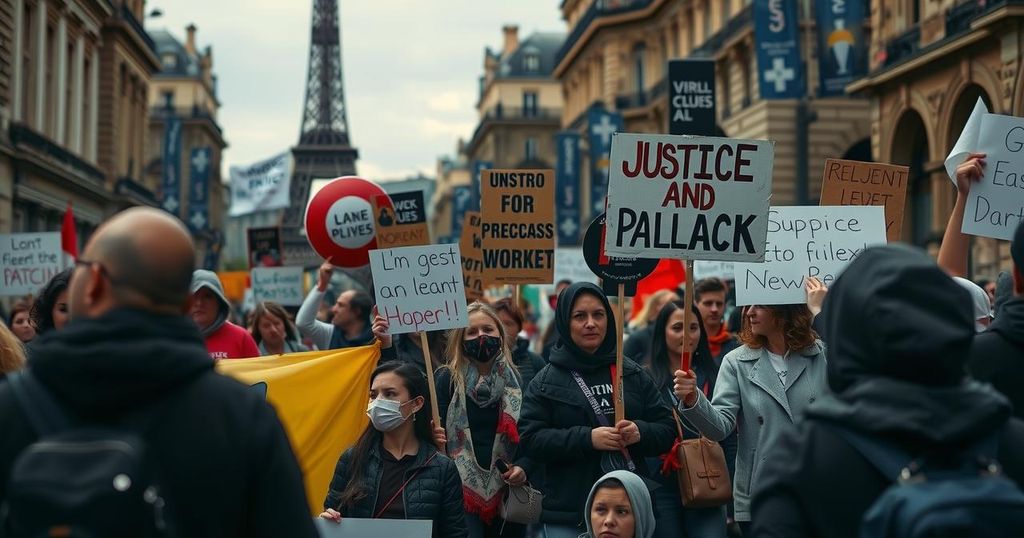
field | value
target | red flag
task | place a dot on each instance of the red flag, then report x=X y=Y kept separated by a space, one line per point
x=69 y=237
x=668 y=275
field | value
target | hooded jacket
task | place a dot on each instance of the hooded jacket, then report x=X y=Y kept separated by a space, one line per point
x=557 y=419
x=226 y=466
x=899 y=333
x=224 y=340
x=997 y=356
x=639 y=502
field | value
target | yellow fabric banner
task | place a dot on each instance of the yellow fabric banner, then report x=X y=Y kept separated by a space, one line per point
x=320 y=397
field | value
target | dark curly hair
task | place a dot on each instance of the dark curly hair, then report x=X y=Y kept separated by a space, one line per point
x=796 y=327
x=42 y=309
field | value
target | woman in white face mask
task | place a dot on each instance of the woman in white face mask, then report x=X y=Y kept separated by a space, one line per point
x=394 y=471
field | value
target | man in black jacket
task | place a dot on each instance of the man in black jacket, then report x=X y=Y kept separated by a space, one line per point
x=998 y=354
x=130 y=356
x=899 y=333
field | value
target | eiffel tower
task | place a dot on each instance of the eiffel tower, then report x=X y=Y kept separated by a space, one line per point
x=324 y=150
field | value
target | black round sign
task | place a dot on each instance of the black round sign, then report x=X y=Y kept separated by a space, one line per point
x=613 y=271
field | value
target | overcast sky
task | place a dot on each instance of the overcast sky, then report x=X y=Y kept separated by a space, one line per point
x=410 y=69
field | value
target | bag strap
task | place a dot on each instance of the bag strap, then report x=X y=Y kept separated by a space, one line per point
x=601 y=419
x=42 y=409
x=401 y=489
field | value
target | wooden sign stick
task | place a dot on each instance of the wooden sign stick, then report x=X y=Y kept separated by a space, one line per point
x=515 y=295
x=687 y=312
x=430 y=379
x=620 y=406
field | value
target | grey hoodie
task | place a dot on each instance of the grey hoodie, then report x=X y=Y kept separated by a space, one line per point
x=639 y=500
x=202 y=278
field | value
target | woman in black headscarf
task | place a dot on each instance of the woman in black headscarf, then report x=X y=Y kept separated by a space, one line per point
x=568 y=415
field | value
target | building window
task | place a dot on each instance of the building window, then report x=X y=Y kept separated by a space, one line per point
x=169 y=61
x=529 y=104
x=915 y=11
x=168 y=96
x=69 y=85
x=691 y=29
x=531 y=149
x=639 y=54
x=707 y=21
x=531 y=62
x=726 y=11
x=28 y=69
x=49 y=125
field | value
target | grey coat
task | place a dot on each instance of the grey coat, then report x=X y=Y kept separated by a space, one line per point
x=750 y=397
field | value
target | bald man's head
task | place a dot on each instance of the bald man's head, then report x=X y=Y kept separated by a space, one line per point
x=142 y=257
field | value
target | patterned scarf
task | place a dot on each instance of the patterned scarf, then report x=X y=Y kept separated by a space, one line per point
x=482 y=488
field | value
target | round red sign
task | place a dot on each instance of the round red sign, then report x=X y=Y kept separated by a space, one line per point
x=340 y=221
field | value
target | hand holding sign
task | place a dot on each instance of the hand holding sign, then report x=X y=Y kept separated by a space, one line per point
x=970 y=172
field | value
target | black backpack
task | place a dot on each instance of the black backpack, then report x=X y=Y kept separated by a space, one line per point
x=78 y=480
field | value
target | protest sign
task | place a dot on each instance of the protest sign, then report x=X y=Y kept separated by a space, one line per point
x=264 y=247
x=419 y=288
x=29 y=261
x=472 y=257
x=858 y=183
x=261 y=186
x=281 y=285
x=613 y=271
x=696 y=198
x=967 y=143
x=518 y=226
x=691 y=91
x=401 y=220
x=722 y=270
x=339 y=221
x=807 y=241
x=572 y=266
x=995 y=206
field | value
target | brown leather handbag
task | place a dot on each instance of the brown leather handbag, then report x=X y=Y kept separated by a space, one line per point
x=703 y=475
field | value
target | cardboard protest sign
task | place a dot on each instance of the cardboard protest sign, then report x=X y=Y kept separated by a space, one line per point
x=807 y=241
x=859 y=183
x=282 y=285
x=696 y=198
x=722 y=270
x=419 y=288
x=995 y=205
x=472 y=257
x=401 y=220
x=29 y=261
x=264 y=247
x=518 y=226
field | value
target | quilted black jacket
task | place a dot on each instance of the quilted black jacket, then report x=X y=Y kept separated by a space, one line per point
x=435 y=492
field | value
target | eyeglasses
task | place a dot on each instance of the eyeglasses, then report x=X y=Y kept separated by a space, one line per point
x=93 y=263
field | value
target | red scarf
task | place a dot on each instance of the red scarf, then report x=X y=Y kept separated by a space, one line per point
x=715 y=342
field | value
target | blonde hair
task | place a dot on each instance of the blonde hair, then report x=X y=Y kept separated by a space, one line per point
x=457 y=362
x=12 y=353
x=643 y=318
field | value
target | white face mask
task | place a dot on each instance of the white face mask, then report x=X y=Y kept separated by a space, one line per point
x=386 y=415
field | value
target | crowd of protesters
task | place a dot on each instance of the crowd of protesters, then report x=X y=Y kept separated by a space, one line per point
x=901 y=357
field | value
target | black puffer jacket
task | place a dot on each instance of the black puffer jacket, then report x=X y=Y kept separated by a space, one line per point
x=904 y=385
x=997 y=355
x=556 y=421
x=435 y=492
x=527 y=362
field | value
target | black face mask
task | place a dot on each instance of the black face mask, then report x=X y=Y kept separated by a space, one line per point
x=483 y=348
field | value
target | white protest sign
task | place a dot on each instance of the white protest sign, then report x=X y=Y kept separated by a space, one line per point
x=261 y=186
x=807 y=241
x=995 y=206
x=694 y=198
x=281 y=285
x=722 y=270
x=419 y=288
x=29 y=261
x=570 y=265
x=968 y=141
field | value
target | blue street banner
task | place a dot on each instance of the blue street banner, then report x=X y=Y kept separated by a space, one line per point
x=478 y=168
x=567 y=192
x=171 y=162
x=200 y=162
x=462 y=200
x=776 y=34
x=842 y=49
x=601 y=124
